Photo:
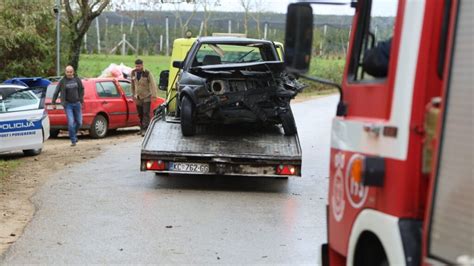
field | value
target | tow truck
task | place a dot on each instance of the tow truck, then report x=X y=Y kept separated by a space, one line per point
x=401 y=166
x=214 y=149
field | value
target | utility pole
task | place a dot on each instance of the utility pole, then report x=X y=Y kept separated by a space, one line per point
x=200 y=28
x=265 y=31
x=106 y=35
x=138 y=40
x=98 y=34
x=85 y=43
x=124 y=43
x=167 y=38
x=161 y=43
x=323 y=40
x=57 y=10
x=131 y=25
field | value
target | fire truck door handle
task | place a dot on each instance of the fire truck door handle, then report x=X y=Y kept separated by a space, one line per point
x=373 y=129
x=105 y=102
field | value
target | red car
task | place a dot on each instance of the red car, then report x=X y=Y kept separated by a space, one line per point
x=108 y=104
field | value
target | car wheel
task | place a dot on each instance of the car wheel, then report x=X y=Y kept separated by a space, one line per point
x=99 y=127
x=288 y=123
x=53 y=133
x=188 y=125
x=32 y=152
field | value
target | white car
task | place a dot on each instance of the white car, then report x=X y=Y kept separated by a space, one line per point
x=24 y=123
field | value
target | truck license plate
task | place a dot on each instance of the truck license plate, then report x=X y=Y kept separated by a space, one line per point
x=189 y=167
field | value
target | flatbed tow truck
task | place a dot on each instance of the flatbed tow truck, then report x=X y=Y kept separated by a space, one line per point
x=216 y=150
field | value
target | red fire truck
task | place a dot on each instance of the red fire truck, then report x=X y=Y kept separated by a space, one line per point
x=401 y=189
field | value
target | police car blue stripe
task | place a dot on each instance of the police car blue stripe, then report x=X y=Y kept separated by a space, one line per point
x=19 y=125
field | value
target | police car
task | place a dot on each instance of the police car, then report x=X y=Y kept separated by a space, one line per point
x=24 y=124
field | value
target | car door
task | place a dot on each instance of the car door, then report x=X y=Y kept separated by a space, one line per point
x=113 y=103
x=132 y=118
x=22 y=119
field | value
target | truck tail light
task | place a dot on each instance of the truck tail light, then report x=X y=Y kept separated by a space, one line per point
x=283 y=169
x=155 y=165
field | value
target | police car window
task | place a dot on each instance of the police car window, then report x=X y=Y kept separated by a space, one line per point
x=372 y=45
x=127 y=87
x=107 y=89
x=22 y=100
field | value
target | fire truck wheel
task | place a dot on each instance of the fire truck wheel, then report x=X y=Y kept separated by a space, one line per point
x=370 y=251
x=188 y=125
x=288 y=123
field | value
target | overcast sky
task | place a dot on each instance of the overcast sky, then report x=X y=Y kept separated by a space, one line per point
x=381 y=7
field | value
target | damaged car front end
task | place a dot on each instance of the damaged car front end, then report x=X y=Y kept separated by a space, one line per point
x=231 y=82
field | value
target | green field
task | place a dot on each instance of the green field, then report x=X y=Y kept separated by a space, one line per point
x=93 y=65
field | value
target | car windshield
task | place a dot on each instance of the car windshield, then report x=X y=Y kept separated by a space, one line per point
x=214 y=54
x=21 y=100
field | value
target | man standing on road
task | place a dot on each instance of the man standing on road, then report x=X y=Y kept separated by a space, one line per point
x=144 y=92
x=72 y=97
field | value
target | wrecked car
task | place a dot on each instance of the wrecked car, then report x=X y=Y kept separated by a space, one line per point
x=229 y=80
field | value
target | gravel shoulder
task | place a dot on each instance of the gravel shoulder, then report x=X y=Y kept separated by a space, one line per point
x=16 y=189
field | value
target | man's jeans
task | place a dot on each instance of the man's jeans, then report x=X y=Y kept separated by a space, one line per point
x=74 y=119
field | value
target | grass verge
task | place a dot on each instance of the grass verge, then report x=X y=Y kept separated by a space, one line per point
x=7 y=167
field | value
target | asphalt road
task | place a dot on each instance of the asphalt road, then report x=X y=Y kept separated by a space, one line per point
x=107 y=211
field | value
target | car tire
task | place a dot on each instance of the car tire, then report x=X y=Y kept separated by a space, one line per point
x=187 y=114
x=99 y=127
x=53 y=133
x=288 y=123
x=32 y=152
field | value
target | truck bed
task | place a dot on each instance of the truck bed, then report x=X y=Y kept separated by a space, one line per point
x=223 y=147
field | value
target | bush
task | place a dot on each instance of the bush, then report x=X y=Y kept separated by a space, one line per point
x=330 y=69
x=130 y=51
x=151 y=51
x=26 y=39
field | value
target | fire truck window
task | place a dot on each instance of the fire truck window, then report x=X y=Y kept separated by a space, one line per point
x=373 y=40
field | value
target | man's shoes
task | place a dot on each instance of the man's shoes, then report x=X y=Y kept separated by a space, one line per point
x=73 y=144
x=142 y=133
x=139 y=133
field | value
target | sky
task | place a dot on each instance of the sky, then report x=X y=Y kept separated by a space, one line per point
x=381 y=7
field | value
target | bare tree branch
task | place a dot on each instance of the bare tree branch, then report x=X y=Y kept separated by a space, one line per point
x=80 y=14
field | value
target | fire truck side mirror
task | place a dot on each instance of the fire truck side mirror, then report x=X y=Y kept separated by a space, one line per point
x=298 y=37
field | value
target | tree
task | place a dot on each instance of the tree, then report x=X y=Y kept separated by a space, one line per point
x=26 y=37
x=245 y=4
x=207 y=8
x=79 y=15
x=259 y=7
x=179 y=18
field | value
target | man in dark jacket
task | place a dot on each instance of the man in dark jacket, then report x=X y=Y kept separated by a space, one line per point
x=71 y=92
x=376 y=59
